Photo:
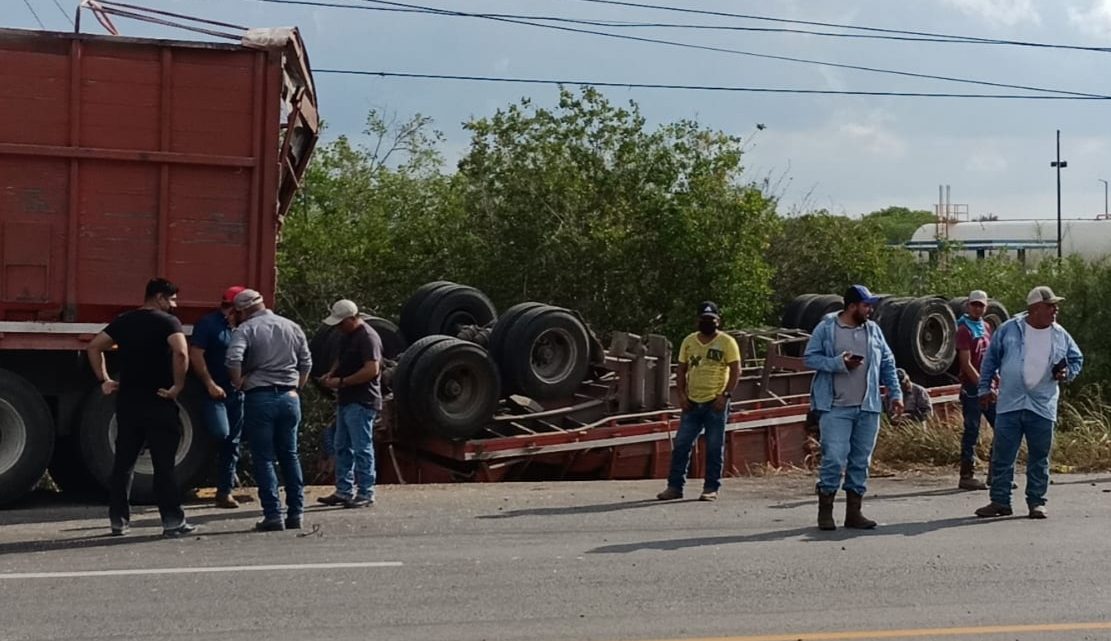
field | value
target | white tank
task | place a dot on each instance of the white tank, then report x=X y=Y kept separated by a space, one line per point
x=1027 y=240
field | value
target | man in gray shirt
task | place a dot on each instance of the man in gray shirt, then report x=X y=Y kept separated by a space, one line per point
x=268 y=359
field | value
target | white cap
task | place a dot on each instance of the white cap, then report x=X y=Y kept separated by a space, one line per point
x=978 y=296
x=341 y=311
x=246 y=299
x=1042 y=294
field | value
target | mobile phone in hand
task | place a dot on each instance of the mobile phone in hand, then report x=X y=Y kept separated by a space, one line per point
x=856 y=357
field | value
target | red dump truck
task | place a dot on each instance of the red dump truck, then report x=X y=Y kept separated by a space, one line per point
x=122 y=159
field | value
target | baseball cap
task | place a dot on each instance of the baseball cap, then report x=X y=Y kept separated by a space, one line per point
x=1042 y=294
x=230 y=293
x=709 y=308
x=860 y=294
x=341 y=310
x=978 y=296
x=247 y=298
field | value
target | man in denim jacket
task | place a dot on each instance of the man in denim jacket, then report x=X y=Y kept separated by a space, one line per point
x=851 y=359
x=1032 y=354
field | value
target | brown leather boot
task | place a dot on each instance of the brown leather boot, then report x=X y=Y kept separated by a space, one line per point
x=853 y=517
x=825 y=512
x=968 y=478
x=226 y=501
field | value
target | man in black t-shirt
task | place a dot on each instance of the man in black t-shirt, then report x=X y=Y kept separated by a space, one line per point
x=354 y=376
x=153 y=358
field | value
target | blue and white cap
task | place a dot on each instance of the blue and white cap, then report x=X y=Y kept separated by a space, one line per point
x=860 y=294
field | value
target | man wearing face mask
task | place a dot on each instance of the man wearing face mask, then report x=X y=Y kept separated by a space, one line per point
x=223 y=407
x=709 y=365
x=851 y=360
x=153 y=358
x=1032 y=355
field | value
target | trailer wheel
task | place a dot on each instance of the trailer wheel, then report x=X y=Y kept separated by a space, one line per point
x=453 y=388
x=887 y=314
x=26 y=436
x=792 y=313
x=995 y=315
x=98 y=445
x=927 y=336
x=817 y=309
x=401 y=376
x=958 y=306
x=546 y=354
x=504 y=324
x=408 y=317
x=447 y=309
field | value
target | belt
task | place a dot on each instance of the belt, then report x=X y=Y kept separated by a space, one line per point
x=275 y=389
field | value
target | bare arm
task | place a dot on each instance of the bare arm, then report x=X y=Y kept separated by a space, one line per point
x=200 y=368
x=95 y=353
x=681 y=380
x=964 y=357
x=179 y=353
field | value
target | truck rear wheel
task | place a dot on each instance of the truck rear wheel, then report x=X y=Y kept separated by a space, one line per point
x=98 y=445
x=546 y=354
x=453 y=388
x=26 y=436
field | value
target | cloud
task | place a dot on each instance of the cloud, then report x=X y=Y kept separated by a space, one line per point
x=1095 y=20
x=874 y=136
x=986 y=162
x=1007 y=13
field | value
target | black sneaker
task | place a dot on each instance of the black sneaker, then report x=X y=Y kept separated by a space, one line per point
x=333 y=500
x=185 y=529
x=270 y=525
x=121 y=530
x=359 y=501
x=293 y=523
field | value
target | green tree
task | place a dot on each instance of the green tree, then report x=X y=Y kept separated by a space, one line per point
x=898 y=224
x=582 y=205
x=823 y=253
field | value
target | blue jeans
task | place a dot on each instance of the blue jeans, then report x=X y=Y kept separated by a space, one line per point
x=1010 y=427
x=970 y=407
x=270 y=421
x=355 y=450
x=848 y=438
x=701 y=416
x=224 y=420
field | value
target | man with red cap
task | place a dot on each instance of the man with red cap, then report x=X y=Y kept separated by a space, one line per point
x=222 y=407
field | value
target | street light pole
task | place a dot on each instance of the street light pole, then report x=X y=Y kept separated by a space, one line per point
x=1059 y=165
x=1104 y=197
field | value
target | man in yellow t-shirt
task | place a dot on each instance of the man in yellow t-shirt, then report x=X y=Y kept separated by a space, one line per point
x=709 y=365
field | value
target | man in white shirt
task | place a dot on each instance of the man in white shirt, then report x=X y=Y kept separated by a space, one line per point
x=1031 y=353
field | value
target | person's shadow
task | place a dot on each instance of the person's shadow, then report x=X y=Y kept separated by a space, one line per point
x=804 y=534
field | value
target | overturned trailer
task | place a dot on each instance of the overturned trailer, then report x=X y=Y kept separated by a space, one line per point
x=620 y=424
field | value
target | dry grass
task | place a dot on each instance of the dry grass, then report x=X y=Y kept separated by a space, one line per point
x=1082 y=442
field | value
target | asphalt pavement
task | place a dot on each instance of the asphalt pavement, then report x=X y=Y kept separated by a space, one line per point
x=572 y=561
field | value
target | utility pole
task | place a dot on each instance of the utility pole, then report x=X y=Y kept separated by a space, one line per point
x=1059 y=165
x=1104 y=197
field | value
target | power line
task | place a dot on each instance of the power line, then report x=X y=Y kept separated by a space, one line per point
x=629 y=24
x=68 y=17
x=724 y=88
x=739 y=52
x=32 y=10
x=813 y=23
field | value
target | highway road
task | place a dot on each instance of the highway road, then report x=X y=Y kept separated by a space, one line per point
x=572 y=561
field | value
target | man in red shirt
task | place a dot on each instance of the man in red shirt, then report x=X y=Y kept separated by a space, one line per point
x=973 y=339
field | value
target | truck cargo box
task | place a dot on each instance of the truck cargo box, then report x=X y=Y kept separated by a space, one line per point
x=124 y=158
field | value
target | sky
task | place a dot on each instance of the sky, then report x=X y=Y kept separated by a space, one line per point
x=847 y=154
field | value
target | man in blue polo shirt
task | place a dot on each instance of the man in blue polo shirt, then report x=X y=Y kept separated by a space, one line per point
x=222 y=407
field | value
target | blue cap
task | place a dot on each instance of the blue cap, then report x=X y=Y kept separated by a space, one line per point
x=859 y=294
